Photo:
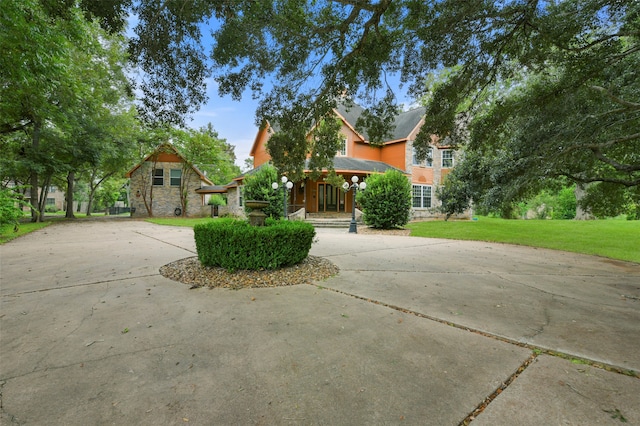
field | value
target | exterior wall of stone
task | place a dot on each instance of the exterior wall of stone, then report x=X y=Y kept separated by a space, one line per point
x=233 y=206
x=432 y=176
x=166 y=198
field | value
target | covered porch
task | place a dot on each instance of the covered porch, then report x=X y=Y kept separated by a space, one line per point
x=320 y=198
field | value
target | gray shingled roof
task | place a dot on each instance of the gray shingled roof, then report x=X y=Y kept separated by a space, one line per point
x=404 y=123
x=357 y=164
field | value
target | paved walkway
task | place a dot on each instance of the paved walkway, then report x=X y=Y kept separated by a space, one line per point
x=412 y=331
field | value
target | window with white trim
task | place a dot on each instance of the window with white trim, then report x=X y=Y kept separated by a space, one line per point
x=447 y=158
x=158 y=177
x=421 y=196
x=343 y=148
x=176 y=177
x=241 y=196
x=428 y=162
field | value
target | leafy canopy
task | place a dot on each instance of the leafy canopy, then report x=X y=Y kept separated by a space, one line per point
x=300 y=56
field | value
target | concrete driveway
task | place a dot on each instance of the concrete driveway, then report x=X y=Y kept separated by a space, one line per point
x=411 y=331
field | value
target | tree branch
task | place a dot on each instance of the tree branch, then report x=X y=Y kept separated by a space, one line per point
x=616 y=165
x=605 y=92
x=624 y=182
x=359 y=4
x=8 y=128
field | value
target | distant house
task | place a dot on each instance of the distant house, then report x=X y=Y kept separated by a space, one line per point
x=358 y=157
x=157 y=182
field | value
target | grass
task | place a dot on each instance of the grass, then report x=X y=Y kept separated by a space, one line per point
x=7 y=232
x=613 y=238
x=178 y=221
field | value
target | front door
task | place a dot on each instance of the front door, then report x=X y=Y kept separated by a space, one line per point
x=330 y=198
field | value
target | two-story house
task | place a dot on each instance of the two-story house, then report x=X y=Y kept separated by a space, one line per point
x=358 y=157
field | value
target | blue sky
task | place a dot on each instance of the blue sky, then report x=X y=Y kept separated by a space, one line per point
x=235 y=120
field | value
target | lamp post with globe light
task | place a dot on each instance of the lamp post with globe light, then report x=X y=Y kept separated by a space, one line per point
x=286 y=186
x=353 y=226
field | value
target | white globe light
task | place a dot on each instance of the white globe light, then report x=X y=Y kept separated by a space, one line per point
x=274 y=185
x=284 y=179
x=363 y=185
x=345 y=186
x=289 y=185
x=354 y=179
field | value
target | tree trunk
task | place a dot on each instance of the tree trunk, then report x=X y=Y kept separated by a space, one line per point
x=35 y=144
x=580 y=191
x=69 y=196
x=90 y=202
x=42 y=200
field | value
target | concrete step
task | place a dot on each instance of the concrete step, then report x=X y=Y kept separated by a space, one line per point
x=330 y=223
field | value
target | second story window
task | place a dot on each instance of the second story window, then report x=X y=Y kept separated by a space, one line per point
x=176 y=177
x=158 y=177
x=428 y=162
x=447 y=158
x=343 y=148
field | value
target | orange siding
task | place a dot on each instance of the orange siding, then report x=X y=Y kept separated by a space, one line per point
x=259 y=152
x=423 y=175
x=395 y=155
x=366 y=152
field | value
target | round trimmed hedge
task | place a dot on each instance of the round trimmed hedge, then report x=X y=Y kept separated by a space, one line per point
x=234 y=244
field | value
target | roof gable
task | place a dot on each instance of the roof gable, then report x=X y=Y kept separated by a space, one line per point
x=403 y=125
x=167 y=148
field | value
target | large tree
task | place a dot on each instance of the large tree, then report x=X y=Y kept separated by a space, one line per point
x=204 y=150
x=60 y=76
x=301 y=56
x=544 y=131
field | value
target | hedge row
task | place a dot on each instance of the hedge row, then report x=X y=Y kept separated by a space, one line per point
x=234 y=244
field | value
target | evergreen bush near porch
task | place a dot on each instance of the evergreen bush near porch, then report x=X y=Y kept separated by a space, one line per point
x=386 y=203
x=257 y=186
x=234 y=244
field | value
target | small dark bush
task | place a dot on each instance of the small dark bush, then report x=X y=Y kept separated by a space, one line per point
x=234 y=244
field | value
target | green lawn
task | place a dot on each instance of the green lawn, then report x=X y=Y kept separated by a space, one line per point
x=613 y=238
x=177 y=221
x=7 y=232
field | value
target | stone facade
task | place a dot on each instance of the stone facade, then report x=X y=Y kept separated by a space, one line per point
x=234 y=206
x=432 y=176
x=166 y=197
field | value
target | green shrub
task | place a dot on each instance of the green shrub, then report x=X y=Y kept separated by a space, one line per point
x=565 y=204
x=257 y=186
x=386 y=202
x=217 y=200
x=235 y=244
x=11 y=203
